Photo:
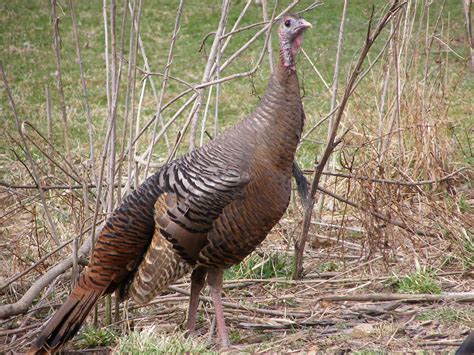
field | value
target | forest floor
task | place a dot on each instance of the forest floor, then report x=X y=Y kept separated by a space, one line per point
x=350 y=301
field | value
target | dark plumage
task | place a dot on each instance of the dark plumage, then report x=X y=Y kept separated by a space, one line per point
x=467 y=346
x=203 y=212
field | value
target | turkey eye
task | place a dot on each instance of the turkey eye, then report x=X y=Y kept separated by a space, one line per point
x=287 y=23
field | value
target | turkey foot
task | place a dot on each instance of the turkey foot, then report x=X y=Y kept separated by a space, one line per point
x=214 y=280
x=198 y=279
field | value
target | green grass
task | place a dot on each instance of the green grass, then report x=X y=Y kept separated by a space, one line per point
x=422 y=281
x=464 y=205
x=469 y=247
x=261 y=267
x=449 y=315
x=26 y=53
x=329 y=266
x=147 y=341
x=92 y=337
x=234 y=335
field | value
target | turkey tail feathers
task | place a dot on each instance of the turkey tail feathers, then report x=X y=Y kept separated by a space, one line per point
x=65 y=322
x=302 y=183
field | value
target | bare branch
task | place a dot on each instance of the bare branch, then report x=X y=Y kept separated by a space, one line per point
x=371 y=37
x=34 y=170
x=27 y=299
x=84 y=87
x=385 y=297
x=57 y=58
x=378 y=215
x=165 y=77
x=395 y=182
x=207 y=71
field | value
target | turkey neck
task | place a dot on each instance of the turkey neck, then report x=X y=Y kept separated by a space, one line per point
x=279 y=119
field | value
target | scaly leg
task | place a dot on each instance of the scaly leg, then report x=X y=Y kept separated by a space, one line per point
x=214 y=280
x=198 y=279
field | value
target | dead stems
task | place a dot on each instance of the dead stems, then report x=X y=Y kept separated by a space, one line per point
x=385 y=297
x=396 y=182
x=33 y=166
x=166 y=73
x=207 y=71
x=57 y=58
x=378 y=215
x=332 y=143
x=27 y=299
x=84 y=87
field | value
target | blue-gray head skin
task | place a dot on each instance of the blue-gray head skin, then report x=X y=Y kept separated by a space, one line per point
x=290 y=36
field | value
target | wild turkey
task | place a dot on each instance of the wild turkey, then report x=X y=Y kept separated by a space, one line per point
x=204 y=212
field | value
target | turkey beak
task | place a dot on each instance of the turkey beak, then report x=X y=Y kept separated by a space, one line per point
x=303 y=25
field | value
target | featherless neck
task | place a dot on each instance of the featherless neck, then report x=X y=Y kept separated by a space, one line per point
x=287 y=57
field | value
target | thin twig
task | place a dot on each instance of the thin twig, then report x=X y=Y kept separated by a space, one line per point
x=40 y=261
x=49 y=125
x=130 y=97
x=371 y=37
x=69 y=171
x=247 y=308
x=52 y=187
x=269 y=45
x=378 y=215
x=57 y=58
x=207 y=71
x=394 y=182
x=124 y=129
x=34 y=170
x=334 y=101
x=153 y=88
x=384 y=297
x=164 y=83
x=27 y=299
x=84 y=88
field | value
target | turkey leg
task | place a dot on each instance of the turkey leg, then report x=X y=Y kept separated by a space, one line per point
x=198 y=279
x=214 y=280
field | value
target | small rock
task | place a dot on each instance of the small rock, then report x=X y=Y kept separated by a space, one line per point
x=362 y=330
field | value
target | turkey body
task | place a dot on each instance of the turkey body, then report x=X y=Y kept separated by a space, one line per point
x=208 y=209
x=265 y=146
x=228 y=194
